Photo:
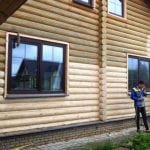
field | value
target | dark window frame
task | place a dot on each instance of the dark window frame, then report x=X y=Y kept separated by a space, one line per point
x=89 y=4
x=139 y=58
x=123 y=10
x=39 y=43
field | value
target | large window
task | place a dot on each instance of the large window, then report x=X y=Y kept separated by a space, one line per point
x=138 y=69
x=116 y=7
x=36 y=66
x=89 y=3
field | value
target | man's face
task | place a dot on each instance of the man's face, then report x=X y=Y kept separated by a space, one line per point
x=141 y=86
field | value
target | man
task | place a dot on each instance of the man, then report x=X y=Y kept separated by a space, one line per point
x=138 y=94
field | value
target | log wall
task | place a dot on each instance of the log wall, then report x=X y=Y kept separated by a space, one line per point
x=99 y=45
x=65 y=21
x=124 y=36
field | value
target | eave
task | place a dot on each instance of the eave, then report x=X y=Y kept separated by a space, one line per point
x=8 y=7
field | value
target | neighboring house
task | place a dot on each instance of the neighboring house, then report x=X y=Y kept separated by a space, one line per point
x=69 y=63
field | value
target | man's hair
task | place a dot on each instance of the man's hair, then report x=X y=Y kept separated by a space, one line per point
x=141 y=82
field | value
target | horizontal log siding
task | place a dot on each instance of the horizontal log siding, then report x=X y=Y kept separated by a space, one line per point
x=63 y=21
x=125 y=36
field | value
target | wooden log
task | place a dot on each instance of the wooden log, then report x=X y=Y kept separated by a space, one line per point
x=65 y=5
x=83 y=79
x=83 y=90
x=116 y=74
x=9 y=131
x=125 y=50
x=125 y=40
x=83 y=60
x=83 y=85
x=43 y=22
x=116 y=80
x=2 y=58
x=43 y=6
x=125 y=45
x=116 y=69
x=48 y=119
x=15 y=106
x=1 y=82
x=2 y=74
x=2 y=50
x=46 y=112
x=75 y=65
x=116 y=64
x=2 y=41
x=120 y=112
x=84 y=48
x=116 y=90
x=126 y=100
x=119 y=31
x=83 y=72
x=117 y=96
x=115 y=85
x=117 y=59
x=51 y=30
x=63 y=20
x=84 y=54
x=138 y=8
x=123 y=116
x=139 y=4
x=129 y=26
x=120 y=107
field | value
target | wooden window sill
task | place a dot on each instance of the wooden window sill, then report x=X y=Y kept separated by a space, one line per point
x=26 y=96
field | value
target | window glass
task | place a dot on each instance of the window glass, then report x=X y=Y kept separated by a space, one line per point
x=88 y=3
x=139 y=70
x=52 y=65
x=133 y=72
x=24 y=67
x=115 y=7
x=144 y=72
x=35 y=67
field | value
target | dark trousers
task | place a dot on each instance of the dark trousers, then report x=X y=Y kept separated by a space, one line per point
x=141 y=110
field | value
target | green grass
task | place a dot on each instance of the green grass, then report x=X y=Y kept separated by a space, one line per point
x=140 y=141
x=108 y=145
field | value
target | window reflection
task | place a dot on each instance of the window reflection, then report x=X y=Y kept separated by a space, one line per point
x=115 y=7
x=85 y=1
x=36 y=66
x=138 y=69
x=133 y=72
x=52 y=65
x=24 y=67
x=144 y=72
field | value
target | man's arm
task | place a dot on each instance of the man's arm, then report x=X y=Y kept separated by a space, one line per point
x=144 y=93
x=133 y=95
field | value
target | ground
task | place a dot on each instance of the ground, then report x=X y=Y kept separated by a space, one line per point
x=78 y=144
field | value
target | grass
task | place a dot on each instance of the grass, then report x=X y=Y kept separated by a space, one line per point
x=99 y=146
x=140 y=141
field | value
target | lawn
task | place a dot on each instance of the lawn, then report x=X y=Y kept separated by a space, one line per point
x=140 y=141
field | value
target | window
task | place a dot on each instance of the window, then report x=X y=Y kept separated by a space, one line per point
x=36 y=66
x=116 y=7
x=89 y=3
x=138 y=69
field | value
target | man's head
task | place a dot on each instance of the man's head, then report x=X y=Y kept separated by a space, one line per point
x=141 y=84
